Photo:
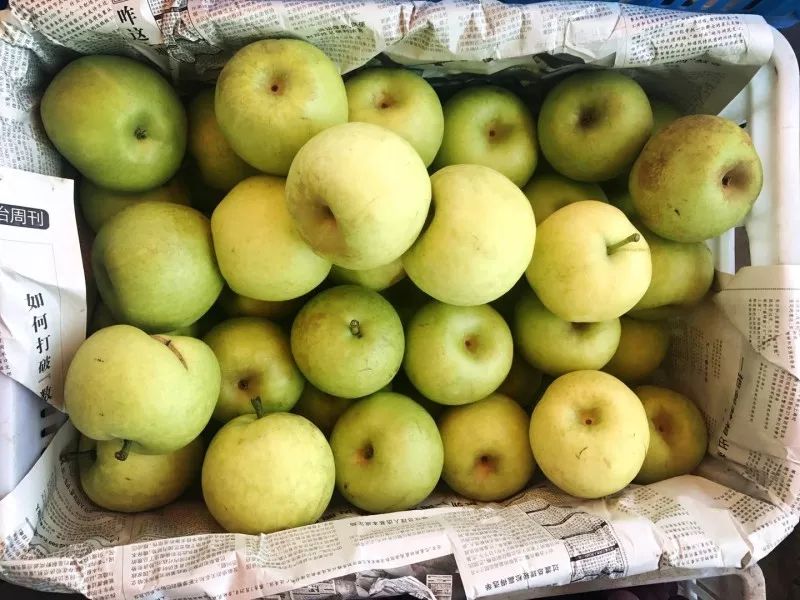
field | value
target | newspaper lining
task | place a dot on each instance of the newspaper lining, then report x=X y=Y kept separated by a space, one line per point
x=742 y=371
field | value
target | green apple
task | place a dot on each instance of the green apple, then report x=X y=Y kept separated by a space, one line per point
x=487 y=454
x=457 y=354
x=642 y=348
x=590 y=263
x=99 y=204
x=550 y=191
x=348 y=341
x=556 y=346
x=359 y=195
x=322 y=409
x=696 y=178
x=218 y=165
x=488 y=125
x=236 y=305
x=400 y=101
x=259 y=251
x=664 y=113
x=376 y=279
x=256 y=360
x=388 y=453
x=522 y=382
x=479 y=240
x=119 y=122
x=682 y=275
x=273 y=96
x=154 y=266
x=593 y=124
x=142 y=481
x=678 y=435
x=155 y=392
x=266 y=474
x=589 y=434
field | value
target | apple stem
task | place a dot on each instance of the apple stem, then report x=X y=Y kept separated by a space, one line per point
x=634 y=237
x=77 y=454
x=258 y=406
x=355 y=328
x=122 y=453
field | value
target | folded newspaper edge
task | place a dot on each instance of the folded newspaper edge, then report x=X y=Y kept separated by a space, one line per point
x=740 y=371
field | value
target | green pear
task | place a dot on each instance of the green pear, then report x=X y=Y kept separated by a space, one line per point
x=401 y=101
x=155 y=392
x=118 y=121
x=100 y=204
x=490 y=126
x=255 y=359
x=273 y=96
x=219 y=166
x=457 y=354
x=696 y=178
x=348 y=341
x=155 y=267
x=557 y=346
x=388 y=453
x=593 y=124
x=550 y=191
x=142 y=481
x=266 y=474
x=682 y=275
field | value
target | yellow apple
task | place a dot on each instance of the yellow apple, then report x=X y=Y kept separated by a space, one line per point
x=376 y=279
x=219 y=166
x=487 y=455
x=259 y=251
x=479 y=240
x=358 y=194
x=550 y=191
x=642 y=348
x=589 y=434
x=590 y=263
x=678 y=435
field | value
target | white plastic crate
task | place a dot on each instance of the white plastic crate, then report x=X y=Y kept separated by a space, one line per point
x=770 y=106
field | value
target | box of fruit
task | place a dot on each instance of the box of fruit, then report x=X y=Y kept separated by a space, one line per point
x=456 y=299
